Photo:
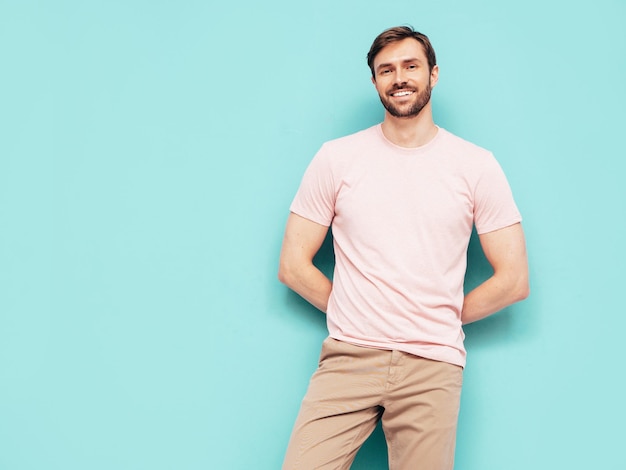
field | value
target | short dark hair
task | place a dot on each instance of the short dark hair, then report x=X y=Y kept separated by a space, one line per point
x=398 y=33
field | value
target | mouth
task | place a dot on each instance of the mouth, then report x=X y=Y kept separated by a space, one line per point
x=402 y=93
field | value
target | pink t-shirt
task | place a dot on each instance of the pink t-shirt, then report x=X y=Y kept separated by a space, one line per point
x=401 y=221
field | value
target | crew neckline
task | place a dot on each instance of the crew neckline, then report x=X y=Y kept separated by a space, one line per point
x=409 y=150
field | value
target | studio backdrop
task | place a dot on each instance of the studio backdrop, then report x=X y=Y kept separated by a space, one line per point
x=149 y=152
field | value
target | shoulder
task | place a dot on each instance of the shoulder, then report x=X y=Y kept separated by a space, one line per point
x=461 y=147
x=338 y=155
x=357 y=141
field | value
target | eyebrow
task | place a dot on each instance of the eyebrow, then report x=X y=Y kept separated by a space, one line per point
x=405 y=61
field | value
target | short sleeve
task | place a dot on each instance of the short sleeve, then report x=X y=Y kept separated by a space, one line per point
x=315 y=198
x=494 y=206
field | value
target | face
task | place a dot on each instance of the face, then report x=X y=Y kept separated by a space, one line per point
x=402 y=78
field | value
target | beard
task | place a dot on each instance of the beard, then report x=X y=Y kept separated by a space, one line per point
x=407 y=110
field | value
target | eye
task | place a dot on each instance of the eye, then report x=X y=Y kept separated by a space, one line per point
x=411 y=66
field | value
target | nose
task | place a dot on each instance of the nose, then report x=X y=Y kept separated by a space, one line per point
x=400 y=76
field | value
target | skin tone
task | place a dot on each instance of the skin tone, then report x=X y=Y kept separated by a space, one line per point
x=403 y=81
x=402 y=78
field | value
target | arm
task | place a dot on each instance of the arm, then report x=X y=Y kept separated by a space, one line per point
x=302 y=240
x=505 y=250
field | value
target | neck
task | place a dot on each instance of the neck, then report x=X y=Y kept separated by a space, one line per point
x=410 y=132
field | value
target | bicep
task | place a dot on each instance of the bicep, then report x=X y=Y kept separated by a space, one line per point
x=505 y=249
x=303 y=238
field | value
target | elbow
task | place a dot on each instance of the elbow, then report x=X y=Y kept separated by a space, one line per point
x=522 y=289
x=282 y=276
x=515 y=282
x=285 y=274
x=523 y=293
x=292 y=271
x=514 y=287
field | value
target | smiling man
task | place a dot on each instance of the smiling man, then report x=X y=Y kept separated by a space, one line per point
x=402 y=198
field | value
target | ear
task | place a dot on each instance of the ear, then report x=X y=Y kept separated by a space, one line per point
x=434 y=76
x=373 y=81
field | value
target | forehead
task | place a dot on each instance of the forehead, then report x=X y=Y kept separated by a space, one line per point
x=399 y=51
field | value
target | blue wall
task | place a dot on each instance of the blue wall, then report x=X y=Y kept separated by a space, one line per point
x=149 y=151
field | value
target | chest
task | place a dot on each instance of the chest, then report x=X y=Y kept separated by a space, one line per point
x=404 y=193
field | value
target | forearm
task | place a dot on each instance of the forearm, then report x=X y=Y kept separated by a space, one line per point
x=310 y=283
x=492 y=296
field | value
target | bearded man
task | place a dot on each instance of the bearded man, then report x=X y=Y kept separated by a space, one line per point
x=402 y=198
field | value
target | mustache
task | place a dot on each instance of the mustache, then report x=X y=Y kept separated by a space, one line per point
x=402 y=86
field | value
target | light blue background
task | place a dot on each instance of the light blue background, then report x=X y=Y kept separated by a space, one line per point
x=149 y=151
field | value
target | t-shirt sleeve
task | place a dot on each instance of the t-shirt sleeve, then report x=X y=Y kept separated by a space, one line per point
x=494 y=206
x=315 y=199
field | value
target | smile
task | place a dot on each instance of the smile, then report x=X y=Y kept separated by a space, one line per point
x=401 y=93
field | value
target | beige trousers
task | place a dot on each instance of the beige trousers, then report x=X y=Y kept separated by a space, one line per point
x=353 y=387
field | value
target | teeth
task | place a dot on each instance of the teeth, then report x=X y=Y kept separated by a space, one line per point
x=402 y=93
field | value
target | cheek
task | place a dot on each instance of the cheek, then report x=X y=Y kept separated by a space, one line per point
x=381 y=86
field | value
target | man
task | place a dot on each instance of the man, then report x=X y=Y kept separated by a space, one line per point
x=402 y=198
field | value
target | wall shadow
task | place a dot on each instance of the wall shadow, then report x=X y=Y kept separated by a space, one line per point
x=373 y=455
